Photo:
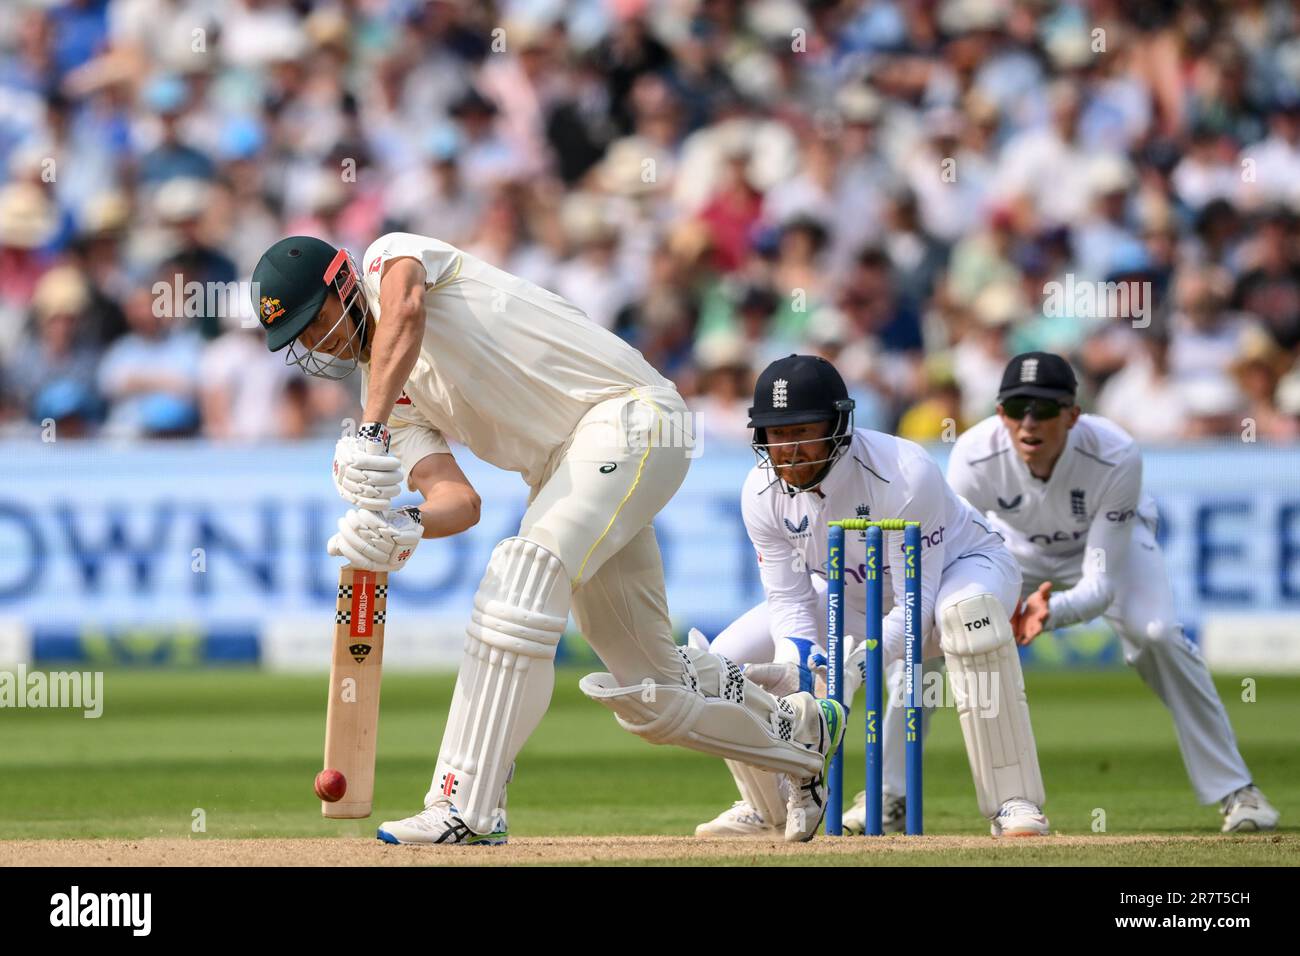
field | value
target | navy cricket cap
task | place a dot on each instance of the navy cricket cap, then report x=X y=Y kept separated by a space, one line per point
x=1038 y=375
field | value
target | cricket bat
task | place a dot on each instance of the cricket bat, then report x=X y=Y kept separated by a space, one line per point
x=352 y=717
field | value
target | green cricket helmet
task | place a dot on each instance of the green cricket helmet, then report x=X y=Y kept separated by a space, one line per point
x=291 y=283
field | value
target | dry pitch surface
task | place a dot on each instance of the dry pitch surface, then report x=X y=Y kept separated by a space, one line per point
x=243 y=747
x=1262 y=849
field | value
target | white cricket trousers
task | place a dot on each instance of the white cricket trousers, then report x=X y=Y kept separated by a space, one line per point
x=594 y=508
x=1170 y=664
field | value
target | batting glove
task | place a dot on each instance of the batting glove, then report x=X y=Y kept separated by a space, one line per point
x=377 y=540
x=365 y=473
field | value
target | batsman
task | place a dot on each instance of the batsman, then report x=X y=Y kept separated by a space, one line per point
x=452 y=349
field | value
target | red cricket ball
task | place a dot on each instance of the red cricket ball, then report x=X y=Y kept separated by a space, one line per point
x=331 y=785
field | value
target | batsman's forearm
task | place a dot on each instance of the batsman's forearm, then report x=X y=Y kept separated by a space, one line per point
x=448 y=514
x=392 y=357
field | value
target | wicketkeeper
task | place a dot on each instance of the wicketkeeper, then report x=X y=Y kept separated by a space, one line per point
x=815 y=467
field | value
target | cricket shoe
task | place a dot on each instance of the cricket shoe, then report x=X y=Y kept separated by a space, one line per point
x=893 y=818
x=741 y=819
x=893 y=815
x=806 y=804
x=440 y=823
x=1246 y=811
x=854 y=819
x=1019 y=818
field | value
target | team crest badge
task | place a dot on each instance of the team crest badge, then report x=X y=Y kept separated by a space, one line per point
x=271 y=310
x=1078 y=507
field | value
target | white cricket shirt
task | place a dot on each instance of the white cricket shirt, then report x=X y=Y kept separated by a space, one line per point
x=506 y=368
x=879 y=476
x=1081 y=517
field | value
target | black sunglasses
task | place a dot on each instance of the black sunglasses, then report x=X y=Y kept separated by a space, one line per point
x=1041 y=408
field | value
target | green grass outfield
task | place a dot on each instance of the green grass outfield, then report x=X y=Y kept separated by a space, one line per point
x=243 y=746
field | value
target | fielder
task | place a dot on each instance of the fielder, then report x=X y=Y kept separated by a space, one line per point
x=452 y=348
x=1065 y=490
x=814 y=467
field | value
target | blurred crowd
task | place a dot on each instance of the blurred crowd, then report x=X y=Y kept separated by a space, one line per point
x=915 y=189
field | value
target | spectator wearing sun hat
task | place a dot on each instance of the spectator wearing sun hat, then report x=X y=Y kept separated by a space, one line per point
x=181 y=205
x=28 y=222
x=726 y=373
x=1257 y=369
x=53 y=359
x=937 y=415
x=981 y=353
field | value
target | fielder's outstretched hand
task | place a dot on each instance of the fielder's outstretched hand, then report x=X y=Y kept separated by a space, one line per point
x=377 y=540
x=1031 y=614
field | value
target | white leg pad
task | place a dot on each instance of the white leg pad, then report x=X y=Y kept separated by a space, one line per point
x=506 y=677
x=761 y=789
x=989 y=690
x=696 y=639
x=714 y=709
